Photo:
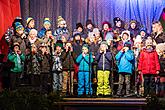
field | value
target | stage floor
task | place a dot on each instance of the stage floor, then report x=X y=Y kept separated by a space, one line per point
x=102 y=104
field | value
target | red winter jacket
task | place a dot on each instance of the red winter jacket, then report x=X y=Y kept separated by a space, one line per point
x=148 y=62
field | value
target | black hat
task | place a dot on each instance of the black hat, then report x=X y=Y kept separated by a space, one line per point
x=79 y=25
x=116 y=19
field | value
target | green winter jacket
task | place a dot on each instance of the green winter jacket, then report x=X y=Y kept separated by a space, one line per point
x=17 y=68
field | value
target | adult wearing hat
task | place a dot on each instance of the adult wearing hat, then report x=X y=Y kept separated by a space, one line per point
x=118 y=25
x=149 y=67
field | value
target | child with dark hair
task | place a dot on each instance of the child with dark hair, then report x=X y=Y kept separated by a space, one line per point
x=17 y=57
x=68 y=61
x=57 y=67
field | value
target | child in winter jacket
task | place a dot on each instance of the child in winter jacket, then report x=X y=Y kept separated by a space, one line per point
x=149 y=67
x=84 y=75
x=104 y=60
x=17 y=58
x=125 y=62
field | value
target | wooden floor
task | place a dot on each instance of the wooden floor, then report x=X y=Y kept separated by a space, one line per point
x=102 y=104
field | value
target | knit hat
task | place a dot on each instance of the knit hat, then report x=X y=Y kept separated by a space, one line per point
x=133 y=21
x=76 y=33
x=125 y=32
x=104 y=43
x=106 y=22
x=79 y=25
x=127 y=44
x=85 y=45
x=18 y=26
x=143 y=29
x=17 y=19
x=66 y=36
x=161 y=47
x=28 y=20
x=47 y=21
x=59 y=43
x=89 y=21
x=116 y=19
x=60 y=20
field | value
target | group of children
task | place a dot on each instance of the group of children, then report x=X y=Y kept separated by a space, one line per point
x=59 y=59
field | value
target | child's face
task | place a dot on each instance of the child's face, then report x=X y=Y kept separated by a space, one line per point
x=85 y=50
x=43 y=49
x=103 y=47
x=125 y=36
x=154 y=28
x=105 y=27
x=79 y=29
x=58 y=48
x=142 y=33
x=49 y=33
x=77 y=37
x=34 y=48
x=92 y=39
x=32 y=35
x=133 y=25
x=118 y=24
x=20 y=32
x=63 y=39
x=31 y=24
x=47 y=26
x=89 y=26
x=16 y=48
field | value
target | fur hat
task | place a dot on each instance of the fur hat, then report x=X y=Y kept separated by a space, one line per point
x=47 y=21
x=116 y=19
x=138 y=39
x=18 y=26
x=28 y=20
x=125 y=32
x=79 y=25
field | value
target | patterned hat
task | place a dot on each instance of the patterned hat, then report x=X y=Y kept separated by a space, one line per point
x=28 y=20
x=47 y=21
x=116 y=19
x=18 y=26
x=60 y=20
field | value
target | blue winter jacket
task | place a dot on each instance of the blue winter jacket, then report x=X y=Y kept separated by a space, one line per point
x=104 y=63
x=41 y=33
x=84 y=62
x=125 y=61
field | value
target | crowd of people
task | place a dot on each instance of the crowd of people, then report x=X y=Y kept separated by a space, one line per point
x=56 y=60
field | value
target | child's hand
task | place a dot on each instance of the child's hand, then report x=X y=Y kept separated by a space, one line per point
x=19 y=52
